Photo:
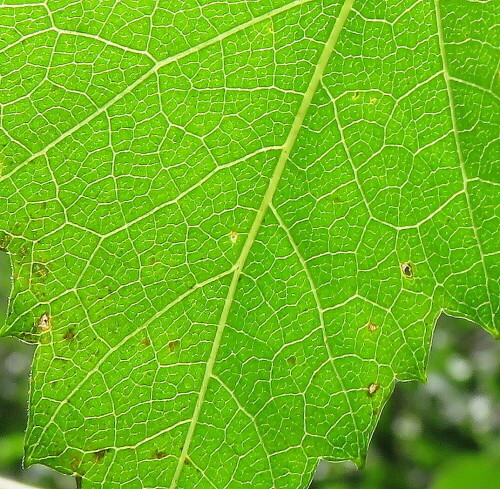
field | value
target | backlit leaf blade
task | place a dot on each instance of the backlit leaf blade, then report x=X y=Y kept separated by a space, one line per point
x=234 y=225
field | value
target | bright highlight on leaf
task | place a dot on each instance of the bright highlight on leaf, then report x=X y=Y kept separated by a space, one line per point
x=233 y=224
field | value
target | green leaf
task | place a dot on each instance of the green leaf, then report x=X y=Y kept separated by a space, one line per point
x=233 y=224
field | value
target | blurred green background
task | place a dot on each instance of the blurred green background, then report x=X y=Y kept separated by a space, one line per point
x=441 y=435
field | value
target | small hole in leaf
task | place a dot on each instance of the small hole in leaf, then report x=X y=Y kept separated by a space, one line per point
x=407 y=269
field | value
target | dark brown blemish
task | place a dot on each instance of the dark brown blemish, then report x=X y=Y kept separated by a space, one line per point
x=146 y=342
x=78 y=482
x=172 y=345
x=407 y=269
x=69 y=335
x=291 y=360
x=372 y=389
x=100 y=454
x=158 y=454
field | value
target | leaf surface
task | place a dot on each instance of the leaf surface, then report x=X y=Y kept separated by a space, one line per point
x=234 y=224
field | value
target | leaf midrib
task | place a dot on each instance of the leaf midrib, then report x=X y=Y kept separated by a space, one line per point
x=264 y=206
x=102 y=109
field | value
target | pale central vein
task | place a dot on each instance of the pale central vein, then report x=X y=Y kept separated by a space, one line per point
x=264 y=206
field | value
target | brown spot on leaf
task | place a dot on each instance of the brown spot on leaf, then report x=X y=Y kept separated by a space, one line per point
x=146 y=342
x=291 y=360
x=172 y=345
x=69 y=335
x=40 y=271
x=159 y=454
x=372 y=327
x=75 y=462
x=23 y=251
x=100 y=454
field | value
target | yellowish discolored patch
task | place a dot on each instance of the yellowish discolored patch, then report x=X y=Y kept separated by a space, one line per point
x=372 y=389
x=233 y=236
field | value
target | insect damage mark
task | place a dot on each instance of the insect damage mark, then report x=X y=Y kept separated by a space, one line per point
x=44 y=323
x=99 y=455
